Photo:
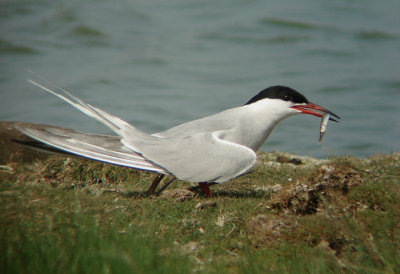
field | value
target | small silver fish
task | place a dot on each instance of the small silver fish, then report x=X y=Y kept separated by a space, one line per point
x=322 y=127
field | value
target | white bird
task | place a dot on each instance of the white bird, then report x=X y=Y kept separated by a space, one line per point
x=213 y=149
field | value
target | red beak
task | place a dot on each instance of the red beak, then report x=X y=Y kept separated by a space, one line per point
x=309 y=107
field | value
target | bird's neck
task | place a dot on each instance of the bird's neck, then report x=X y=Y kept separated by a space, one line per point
x=258 y=121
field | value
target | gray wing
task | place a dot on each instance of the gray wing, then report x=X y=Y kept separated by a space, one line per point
x=103 y=148
x=201 y=157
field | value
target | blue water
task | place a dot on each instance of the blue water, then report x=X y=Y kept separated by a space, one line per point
x=157 y=64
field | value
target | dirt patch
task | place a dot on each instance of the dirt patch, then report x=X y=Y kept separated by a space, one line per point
x=309 y=210
x=326 y=188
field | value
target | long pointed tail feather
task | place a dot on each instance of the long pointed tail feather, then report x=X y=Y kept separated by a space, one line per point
x=116 y=124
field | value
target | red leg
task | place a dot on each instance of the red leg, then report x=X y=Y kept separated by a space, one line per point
x=206 y=190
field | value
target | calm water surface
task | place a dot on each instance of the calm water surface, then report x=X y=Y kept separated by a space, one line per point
x=157 y=64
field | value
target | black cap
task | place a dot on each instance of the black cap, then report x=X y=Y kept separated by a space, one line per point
x=279 y=92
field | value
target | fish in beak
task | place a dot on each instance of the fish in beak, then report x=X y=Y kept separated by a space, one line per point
x=324 y=114
x=309 y=108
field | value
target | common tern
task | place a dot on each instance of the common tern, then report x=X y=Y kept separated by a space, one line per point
x=213 y=149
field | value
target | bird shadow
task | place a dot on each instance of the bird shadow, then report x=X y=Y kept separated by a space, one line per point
x=196 y=194
x=248 y=194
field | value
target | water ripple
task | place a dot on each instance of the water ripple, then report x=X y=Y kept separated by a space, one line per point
x=376 y=35
x=288 y=23
x=11 y=48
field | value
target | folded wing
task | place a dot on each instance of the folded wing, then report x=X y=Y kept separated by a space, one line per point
x=200 y=157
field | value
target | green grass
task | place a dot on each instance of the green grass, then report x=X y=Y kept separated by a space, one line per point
x=65 y=215
x=77 y=244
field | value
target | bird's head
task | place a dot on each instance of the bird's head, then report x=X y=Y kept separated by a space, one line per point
x=291 y=102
